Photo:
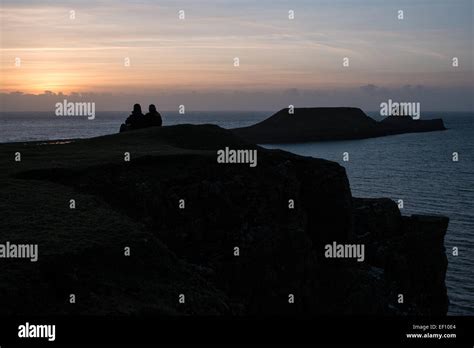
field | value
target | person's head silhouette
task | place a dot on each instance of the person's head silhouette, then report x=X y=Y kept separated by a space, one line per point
x=137 y=109
x=152 y=108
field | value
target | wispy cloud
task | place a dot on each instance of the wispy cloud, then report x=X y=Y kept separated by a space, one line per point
x=88 y=53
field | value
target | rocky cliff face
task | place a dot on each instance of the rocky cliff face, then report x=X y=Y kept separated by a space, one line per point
x=410 y=250
x=281 y=249
x=405 y=124
x=322 y=124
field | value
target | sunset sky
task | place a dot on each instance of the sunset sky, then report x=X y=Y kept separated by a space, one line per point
x=277 y=55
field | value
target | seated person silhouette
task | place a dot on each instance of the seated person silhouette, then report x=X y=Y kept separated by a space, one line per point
x=135 y=121
x=153 y=117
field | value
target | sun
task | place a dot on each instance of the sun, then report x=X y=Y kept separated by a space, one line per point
x=54 y=82
x=37 y=81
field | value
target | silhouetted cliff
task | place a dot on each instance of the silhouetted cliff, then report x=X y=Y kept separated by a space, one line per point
x=322 y=124
x=190 y=250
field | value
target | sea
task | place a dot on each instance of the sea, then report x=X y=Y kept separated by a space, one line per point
x=418 y=168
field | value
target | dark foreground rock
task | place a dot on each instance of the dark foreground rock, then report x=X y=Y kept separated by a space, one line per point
x=324 y=124
x=190 y=251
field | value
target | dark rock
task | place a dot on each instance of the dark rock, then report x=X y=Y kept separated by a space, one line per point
x=323 y=124
x=406 y=124
x=410 y=250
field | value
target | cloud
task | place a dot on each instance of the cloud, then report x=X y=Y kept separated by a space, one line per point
x=367 y=97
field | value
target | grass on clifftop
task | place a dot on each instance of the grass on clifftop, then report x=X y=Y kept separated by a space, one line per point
x=81 y=251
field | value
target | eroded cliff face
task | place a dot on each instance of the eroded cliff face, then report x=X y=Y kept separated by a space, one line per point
x=281 y=247
x=409 y=249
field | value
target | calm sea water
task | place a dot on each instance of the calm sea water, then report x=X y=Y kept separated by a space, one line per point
x=417 y=168
x=26 y=126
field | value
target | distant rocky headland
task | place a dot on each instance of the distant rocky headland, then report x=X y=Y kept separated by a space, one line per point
x=324 y=124
x=160 y=227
